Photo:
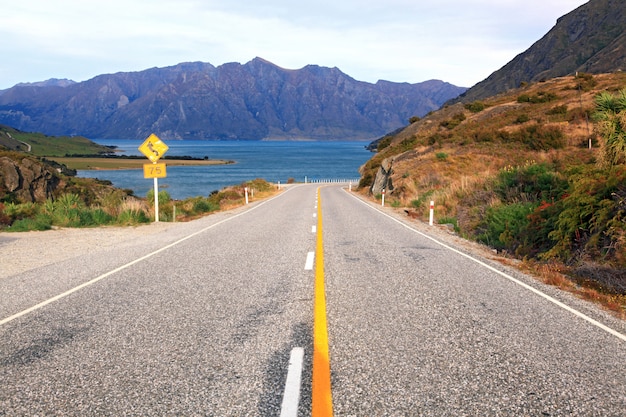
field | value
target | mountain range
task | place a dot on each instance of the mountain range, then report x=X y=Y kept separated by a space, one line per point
x=589 y=39
x=254 y=101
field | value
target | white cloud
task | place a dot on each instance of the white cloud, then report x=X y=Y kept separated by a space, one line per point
x=460 y=41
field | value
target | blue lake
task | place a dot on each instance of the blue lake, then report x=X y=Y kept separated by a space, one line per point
x=272 y=161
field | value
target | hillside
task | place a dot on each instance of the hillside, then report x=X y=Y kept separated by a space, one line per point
x=39 y=144
x=515 y=172
x=257 y=100
x=590 y=39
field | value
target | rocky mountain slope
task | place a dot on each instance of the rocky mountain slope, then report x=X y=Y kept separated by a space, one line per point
x=257 y=100
x=590 y=39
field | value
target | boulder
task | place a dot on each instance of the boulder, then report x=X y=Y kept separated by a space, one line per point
x=383 y=177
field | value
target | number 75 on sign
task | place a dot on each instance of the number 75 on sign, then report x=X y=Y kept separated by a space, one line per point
x=154 y=170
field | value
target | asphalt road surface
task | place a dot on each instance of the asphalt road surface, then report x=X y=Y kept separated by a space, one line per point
x=200 y=319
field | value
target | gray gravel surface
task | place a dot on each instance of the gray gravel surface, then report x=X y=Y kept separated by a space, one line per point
x=200 y=318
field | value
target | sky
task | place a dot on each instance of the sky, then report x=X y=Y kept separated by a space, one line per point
x=458 y=41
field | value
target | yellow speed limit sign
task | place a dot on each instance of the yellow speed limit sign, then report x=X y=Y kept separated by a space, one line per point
x=154 y=170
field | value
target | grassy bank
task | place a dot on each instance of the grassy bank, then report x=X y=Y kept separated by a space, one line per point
x=115 y=207
x=531 y=173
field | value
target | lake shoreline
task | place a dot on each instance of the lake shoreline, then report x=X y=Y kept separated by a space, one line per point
x=114 y=164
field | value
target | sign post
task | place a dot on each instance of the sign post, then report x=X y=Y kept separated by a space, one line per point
x=154 y=148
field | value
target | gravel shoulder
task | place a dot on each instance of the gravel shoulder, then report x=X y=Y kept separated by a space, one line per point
x=21 y=252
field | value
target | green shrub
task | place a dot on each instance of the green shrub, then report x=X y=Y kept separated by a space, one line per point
x=450 y=220
x=592 y=216
x=69 y=201
x=366 y=180
x=258 y=184
x=522 y=118
x=100 y=217
x=385 y=142
x=503 y=225
x=611 y=117
x=164 y=197
x=40 y=222
x=202 y=205
x=18 y=211
x=441 y=156
x=585 y=81
x=130 y=217
x=454 y=122
x=68 y=217
x=423 y=199
x=541 y=222
x=483 y=135
x=532 y=182
x=475 y=107
x=435 y=138
x=408 y=144
x=540 y=97
x=225 y=195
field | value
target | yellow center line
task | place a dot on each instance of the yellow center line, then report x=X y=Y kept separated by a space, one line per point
x=322 y=400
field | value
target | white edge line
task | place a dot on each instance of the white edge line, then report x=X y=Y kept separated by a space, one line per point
x=507 y=276
x=310 y=258
x=120 y=268
x=291 y=397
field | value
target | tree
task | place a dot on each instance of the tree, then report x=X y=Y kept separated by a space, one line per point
x=611 y=114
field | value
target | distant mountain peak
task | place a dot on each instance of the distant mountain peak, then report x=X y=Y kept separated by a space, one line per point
x=195 y=100
x=52 y=82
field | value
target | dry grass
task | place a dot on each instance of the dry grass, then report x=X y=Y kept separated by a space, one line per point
x=133 y=205
x=456 y=164
x=556 y=274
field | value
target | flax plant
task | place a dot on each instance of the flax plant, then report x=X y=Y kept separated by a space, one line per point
x=611 y=115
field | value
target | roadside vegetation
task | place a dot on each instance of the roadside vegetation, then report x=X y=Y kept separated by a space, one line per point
x=116 y=207
x=538 y=174
x=39 y=192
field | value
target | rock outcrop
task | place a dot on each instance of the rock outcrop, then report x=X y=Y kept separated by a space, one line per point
x=26 y=179
x=383 y=178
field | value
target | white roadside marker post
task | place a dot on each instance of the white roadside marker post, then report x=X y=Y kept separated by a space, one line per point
x=383 y=198
x=432 y=213
x=246 y=192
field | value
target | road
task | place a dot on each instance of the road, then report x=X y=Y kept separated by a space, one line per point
x=201 y=319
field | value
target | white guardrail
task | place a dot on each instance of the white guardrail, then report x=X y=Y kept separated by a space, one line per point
x=332 y=181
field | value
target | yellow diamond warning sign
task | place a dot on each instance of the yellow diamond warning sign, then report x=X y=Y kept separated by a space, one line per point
x=153 y=148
